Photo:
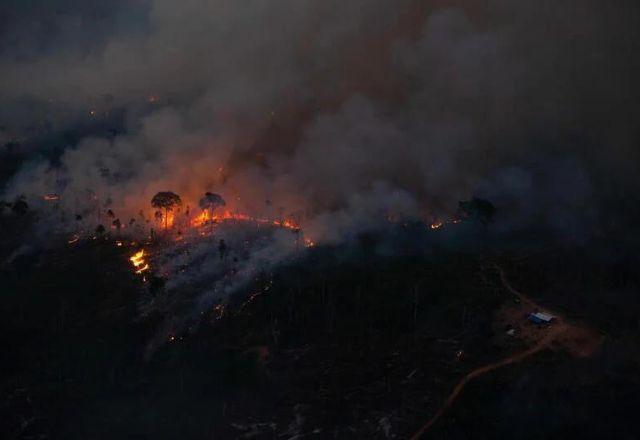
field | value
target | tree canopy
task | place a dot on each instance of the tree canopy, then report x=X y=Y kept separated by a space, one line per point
x=211 y=201
x=166 y=200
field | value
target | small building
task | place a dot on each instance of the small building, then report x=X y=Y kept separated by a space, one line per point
x=541 y=318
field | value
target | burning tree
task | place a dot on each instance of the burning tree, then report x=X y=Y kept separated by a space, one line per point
x=210 y=202
x=166 y=200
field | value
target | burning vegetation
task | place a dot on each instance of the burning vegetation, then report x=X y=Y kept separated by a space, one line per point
x=139 y=263
x=233 y=219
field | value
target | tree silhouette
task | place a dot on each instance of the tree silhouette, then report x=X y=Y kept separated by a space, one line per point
x=210 y=202
x=20 y=206
x=117 y=224
x=166 y=200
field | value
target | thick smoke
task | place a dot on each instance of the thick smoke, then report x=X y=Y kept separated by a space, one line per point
x=343 y=112
x=340 y=114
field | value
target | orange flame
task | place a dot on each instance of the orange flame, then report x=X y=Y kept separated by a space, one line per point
x=205 y=218
x=139 y=263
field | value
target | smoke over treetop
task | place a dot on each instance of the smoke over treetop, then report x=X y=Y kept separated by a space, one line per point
x=333 y=108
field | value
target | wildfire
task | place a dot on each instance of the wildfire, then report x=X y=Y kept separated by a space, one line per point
x=440 y=223
x=139 y=263
x=288 y=224
x=205 y=217
x=168 y=222
x=143 y=269
x=171 y=219
x=51 y=197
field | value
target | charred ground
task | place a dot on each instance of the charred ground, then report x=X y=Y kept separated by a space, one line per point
x=344 y=342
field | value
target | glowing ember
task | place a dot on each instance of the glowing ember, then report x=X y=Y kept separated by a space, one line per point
x=205 y=218
x=139 y=263
x=51 y=197
x=436 y=225
x=143 y=269
x=137 y=258
x=286 y=224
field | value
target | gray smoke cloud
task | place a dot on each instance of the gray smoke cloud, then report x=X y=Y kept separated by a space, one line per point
x=338 y=114
x=344 y=112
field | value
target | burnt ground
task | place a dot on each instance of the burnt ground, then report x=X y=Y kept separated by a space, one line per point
x=340 y=344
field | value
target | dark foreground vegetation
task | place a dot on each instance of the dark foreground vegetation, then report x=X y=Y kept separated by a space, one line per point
x=342 y=343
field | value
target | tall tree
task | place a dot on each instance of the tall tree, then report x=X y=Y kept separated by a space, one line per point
x=167 y=201
x=209 y=202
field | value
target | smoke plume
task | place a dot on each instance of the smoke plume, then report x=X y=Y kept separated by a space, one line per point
x=337 y=112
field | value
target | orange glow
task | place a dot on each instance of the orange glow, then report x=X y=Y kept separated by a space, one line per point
x=205 y=218
x=138 y=258
x=288 y=224
x=143 y=269
x=139 y=263
x=51 y=197
x=170 y=220
x=436 y=225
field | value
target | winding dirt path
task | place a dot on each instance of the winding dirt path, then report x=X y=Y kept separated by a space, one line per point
x=556 y=332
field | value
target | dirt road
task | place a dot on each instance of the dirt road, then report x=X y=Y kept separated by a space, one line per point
x=578 y=340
